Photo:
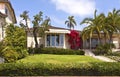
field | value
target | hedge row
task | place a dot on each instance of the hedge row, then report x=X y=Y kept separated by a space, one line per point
x=59 y=51
x=79 y=69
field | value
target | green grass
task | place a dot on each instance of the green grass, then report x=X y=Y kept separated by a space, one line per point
x=55 y=59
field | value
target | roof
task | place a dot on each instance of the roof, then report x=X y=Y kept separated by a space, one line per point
x=8 y=2
x=53 y=27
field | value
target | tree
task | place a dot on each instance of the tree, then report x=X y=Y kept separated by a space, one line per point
x=40 y=26
x=25 y=18
x=70 y=22
x=15 y=36
x=94 y=26
x=113 y=20
x=14 y=44
x=36 y=24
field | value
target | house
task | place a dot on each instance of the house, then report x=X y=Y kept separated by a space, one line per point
x=57 y=37
x=7 y=16
x=54 y=37
x=94 y=41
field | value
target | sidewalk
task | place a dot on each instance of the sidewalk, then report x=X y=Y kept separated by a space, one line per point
x=103 y=58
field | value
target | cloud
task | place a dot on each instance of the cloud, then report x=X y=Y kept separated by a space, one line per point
x=75 y=7
x=56 y=21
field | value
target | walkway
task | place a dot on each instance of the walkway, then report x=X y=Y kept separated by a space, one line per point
x=103 y=58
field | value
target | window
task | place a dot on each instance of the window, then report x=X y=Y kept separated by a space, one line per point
x=48 y=40
x=6 y=11
x=55 y=40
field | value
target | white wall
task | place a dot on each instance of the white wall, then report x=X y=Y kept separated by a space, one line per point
x=31 y=42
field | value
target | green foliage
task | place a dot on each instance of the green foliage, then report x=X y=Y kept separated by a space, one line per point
x=116 y=58
x=72 y=69
x=15 y=36
x=70 y=22
x=114 y=55
x=104 y=49
x=13 y=46
x=60 y=51
x=9 y=54
x=22 y=52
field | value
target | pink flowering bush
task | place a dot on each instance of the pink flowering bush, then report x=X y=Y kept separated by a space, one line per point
x=74 y=40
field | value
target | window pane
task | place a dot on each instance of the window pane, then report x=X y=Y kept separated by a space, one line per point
x=48 y=40
x=61 y=39
x=57 y=40
x=52 y=40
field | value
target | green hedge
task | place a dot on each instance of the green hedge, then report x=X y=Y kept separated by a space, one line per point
x=79 y=69
x=60 y=51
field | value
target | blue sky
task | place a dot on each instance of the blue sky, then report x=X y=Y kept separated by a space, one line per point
x=59 y=10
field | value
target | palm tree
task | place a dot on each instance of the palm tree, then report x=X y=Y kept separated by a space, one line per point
x=86 y=35
x=44 y=27
x=94 y=25
x=70 y=22
x=25 y=18
x=113 y=20
x=36 y=24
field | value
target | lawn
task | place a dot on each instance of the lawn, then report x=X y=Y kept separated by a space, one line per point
x=49 y=58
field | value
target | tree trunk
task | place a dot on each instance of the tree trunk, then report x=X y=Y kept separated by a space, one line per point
x=111 y=37
x=35 y=37
x=105 y=38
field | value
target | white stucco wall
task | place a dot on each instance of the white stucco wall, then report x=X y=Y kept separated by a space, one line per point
x=31 y=42
x=116 y=42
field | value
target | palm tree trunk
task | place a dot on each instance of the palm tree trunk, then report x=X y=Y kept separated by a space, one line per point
x=111 y=34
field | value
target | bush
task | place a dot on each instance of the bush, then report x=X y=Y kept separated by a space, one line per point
x=72 y=69
x=22 y=52
x=104 y=49
x=59 y=51
x=114 y=53
x=9 y=54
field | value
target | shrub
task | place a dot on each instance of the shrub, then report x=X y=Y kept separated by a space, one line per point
x=9 y=54
x=60 y=51
x=104 y=49
x=72 y=69
x=22 y=52
x=114 y=53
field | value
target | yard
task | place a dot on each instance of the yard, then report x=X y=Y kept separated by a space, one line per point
x=59 y=65
x=55 y=59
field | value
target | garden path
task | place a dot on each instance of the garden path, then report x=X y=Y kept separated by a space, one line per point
x=103 y=58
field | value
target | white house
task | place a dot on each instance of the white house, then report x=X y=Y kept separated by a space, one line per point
x=55 y=37
x=7 y=16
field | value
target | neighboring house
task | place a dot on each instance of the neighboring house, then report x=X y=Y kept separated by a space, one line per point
x=94 y=41
x=55 y=37
x=7 y=16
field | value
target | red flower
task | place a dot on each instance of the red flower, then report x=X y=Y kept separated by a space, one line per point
x=74 y=39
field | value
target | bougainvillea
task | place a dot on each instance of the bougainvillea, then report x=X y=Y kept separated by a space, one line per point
x=74 y=40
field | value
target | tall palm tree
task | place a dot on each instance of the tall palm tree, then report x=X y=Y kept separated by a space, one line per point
x=36 y=24
x=70 y=22
x=113 y=20
x=94 y=25
x=25 y=18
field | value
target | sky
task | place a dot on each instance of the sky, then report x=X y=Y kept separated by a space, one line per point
x=59 y=10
